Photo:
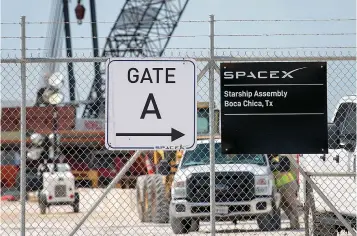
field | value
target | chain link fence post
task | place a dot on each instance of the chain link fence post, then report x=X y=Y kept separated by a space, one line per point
x=212 y=129
x=23 y=126
x=110 y=201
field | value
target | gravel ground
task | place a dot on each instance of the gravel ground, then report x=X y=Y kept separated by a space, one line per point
x=116 y=215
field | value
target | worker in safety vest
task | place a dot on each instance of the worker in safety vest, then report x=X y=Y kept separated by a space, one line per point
x=286 y=184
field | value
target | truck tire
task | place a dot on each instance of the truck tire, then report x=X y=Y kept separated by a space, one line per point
x=141 y=185
x=323 y=230
x=195 y=225
x=76 y=203
x=180 y=225
x=270 y=221
x=158 y=200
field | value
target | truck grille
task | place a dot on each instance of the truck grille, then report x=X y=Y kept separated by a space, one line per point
x=60 y=190
x=230 y=187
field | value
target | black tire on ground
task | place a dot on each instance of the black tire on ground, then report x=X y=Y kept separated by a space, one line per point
x=148 y=199
x=158 y=199
x=141 y=205
x=42 y=204
x=76 y=203
x=323 y=230
x=180 y=225
x=271 y=221
x=195 y=225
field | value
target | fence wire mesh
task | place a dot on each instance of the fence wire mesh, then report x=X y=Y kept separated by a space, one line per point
x=165 y=192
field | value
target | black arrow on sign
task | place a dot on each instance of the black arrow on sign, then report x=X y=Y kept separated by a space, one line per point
x=175 y=134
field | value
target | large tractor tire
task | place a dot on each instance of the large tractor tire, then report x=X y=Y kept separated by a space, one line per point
x=142 y=198
x=158 y=199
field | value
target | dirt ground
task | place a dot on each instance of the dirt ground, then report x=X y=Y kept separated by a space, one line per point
x=116 y=215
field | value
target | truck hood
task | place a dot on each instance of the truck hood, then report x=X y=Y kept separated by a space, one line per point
x=182 y=174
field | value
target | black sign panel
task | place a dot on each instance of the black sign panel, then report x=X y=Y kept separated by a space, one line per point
x=274 y=107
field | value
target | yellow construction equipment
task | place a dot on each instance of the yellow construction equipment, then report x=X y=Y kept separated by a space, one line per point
x=154 y=189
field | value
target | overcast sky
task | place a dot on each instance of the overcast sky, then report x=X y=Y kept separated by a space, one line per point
x=341 y=74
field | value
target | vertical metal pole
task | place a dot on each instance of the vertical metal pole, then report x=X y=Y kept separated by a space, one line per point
x=56 y=154
x=71 y=79
x=23 y=126
x=97 y=79
x=212 y=129
x=306 y=209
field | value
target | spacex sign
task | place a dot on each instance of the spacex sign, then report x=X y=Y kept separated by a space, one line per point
x=274 y=74
x=274 y=107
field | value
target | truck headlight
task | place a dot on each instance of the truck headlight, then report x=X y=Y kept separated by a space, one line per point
x=262 y=185
x=179 y=189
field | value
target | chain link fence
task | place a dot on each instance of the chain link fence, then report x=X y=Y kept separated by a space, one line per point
x=57 y=177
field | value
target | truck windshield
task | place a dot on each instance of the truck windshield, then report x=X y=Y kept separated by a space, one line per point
x=200 y=156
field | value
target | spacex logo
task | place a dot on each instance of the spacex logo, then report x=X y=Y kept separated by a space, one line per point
x=260 y=74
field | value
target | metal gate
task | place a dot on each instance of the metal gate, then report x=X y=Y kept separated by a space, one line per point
x=325 y=198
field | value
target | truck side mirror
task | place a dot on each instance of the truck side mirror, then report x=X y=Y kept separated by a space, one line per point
x=333 y=136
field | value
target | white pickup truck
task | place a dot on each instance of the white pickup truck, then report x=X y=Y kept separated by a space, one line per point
x=244 y=190
x=335 y=172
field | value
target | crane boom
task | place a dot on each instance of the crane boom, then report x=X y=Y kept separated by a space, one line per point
x=142 y=29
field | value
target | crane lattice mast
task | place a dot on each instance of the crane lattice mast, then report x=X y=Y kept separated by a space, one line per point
x=142 y=29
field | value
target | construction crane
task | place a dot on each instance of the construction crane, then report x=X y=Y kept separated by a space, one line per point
x=142 y=29
x=54 y=38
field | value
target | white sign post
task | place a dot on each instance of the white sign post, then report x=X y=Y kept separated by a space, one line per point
x=151 y=104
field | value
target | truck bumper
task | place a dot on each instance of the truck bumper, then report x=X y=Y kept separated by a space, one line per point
x=182 y=208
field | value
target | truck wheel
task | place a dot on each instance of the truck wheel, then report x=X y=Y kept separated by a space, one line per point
x=270 y=221
x=195 y=225
x=158 y=199
x=76 y=203
x=142 y=204
x=180 y=225
x=42 y=204
x=323 y=230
